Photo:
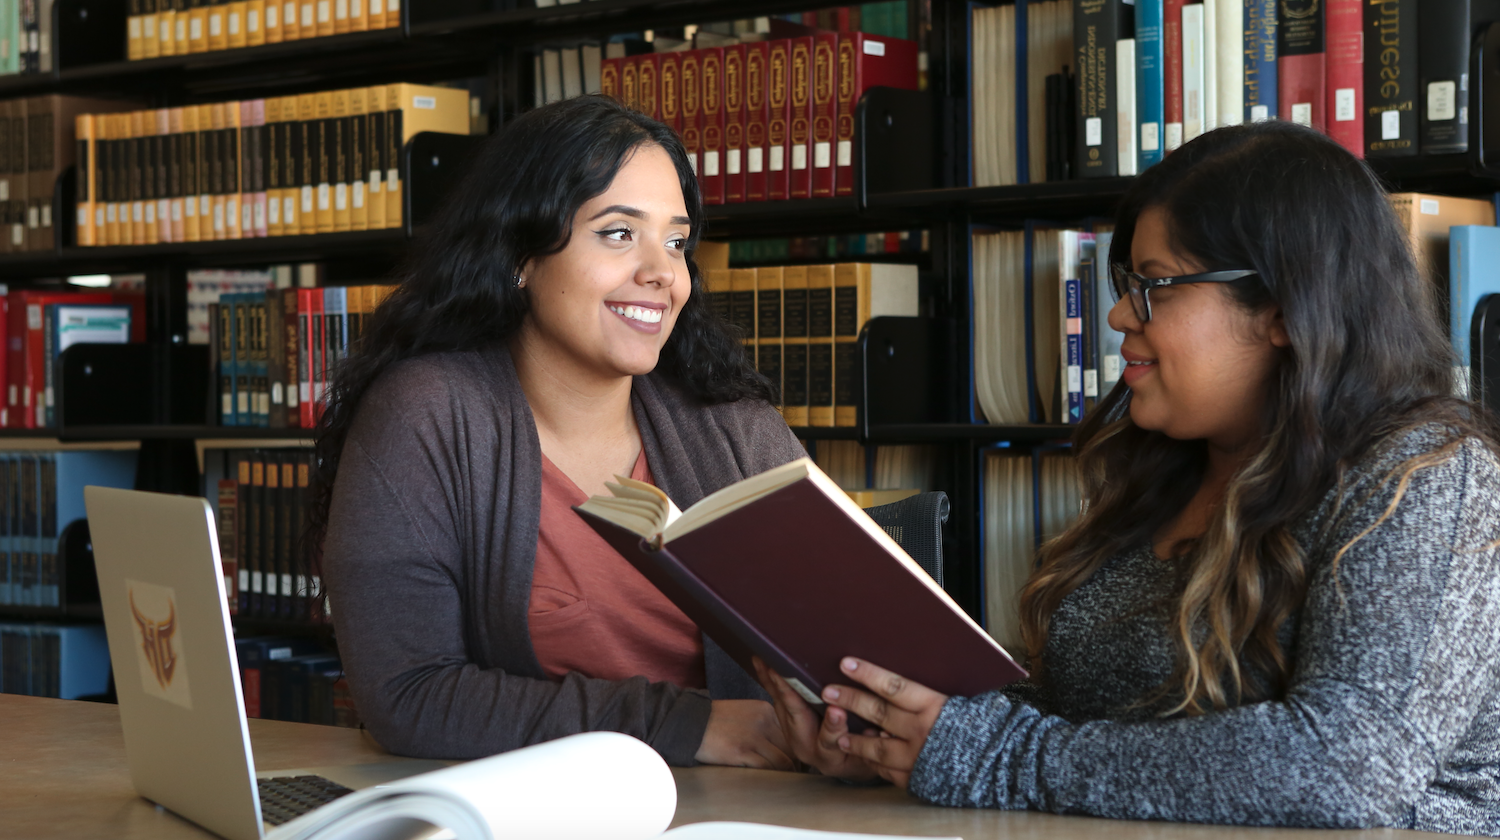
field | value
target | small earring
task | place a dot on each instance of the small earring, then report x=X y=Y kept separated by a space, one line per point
x=518 y=282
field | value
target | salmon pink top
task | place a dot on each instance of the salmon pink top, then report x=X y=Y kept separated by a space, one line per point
x=590 y=611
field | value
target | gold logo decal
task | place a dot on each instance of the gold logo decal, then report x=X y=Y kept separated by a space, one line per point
x=157 y=630
x=156 y=641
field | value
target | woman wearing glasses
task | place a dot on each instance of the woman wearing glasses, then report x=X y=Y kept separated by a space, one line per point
x=1279 y=606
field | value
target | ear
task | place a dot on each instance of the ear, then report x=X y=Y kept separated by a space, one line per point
x=1275 y=326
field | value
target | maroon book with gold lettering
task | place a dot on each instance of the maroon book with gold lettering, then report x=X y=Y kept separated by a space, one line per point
x=824 y=111
x=734 y=124
x=866 y=61
x=711 y=97
x=801 y=79
x=783 y=565
x=779 y=121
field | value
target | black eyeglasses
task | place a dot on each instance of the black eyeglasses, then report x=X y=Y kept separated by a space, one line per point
x=1126 y=283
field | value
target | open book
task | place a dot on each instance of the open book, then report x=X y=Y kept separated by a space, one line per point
x=593 y=785
x=785 y=566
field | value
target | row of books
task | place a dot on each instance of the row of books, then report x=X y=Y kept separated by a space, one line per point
x=876 y=475
x=1385 y=79
x=765 y=120
x=1050 y=362
x=801 y=324
x=38 y=324
x=261 y=509
x=54 y=660
x=273 y=352
x=282 y=166
x=155 y=28
x=40 y=494
x=293 y=679
x=25 y=37
x=834 y=246
x=1028 y=498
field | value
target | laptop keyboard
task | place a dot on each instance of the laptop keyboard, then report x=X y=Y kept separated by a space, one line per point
x=284 y=798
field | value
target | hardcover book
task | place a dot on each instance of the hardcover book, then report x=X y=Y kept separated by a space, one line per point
x=757 y=119
x=1150 y=82
x=865 y=61
x=824 y=111
x=1172 y=83
x=722 y=566
x=1443 y=35
x=778 y=125
x=1391 y=76
x=1097 y=26
x=1300 y=79
x=1346 y=75
x=800 y=79
x=1260 y=60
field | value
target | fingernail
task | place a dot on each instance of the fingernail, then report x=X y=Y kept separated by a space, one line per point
x=844 y=743
x=831 y=693
x=849 y=663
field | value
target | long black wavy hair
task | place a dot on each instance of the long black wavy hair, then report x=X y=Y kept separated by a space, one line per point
x=1368 y=360
x=516 y=204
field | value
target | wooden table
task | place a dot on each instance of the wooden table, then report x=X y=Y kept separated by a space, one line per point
x=63 y=775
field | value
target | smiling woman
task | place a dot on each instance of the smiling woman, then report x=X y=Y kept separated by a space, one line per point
x=549 y=334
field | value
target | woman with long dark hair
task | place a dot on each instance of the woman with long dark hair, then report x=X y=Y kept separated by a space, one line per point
x=549 y=334
x=1280 y=603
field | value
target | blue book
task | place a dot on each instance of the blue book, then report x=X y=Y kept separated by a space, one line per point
x=229 y=371
x=1473 y=272
x=62 y=477
x=1150 y=82
x=5 y=573
x=1260 y=60
x=1111 y=364
x=1073 y=324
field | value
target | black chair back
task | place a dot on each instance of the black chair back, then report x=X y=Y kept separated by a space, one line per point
x=916 y=524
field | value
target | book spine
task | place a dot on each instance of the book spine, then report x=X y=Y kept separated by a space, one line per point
x=650 y=73
x=357 y=144
x=734 y=124
x=757 y=120
x=609 y=78
x=1300 y=78
x=1346 y=75
x=1095 y=33
x=820 y=346
x=1260 y=60
x=338 y=163
x=847 y=291
x=1172 y=81
x=692 y=110
x=712 y=99
x=824 y=111
x=1230 y=46
x=1086 y=289
x=395 y=143
x=1073 y=364
x=375 y=130
x=288 y=356
x=87 y=180
x=779 y=130
x=1443 y=32
x=1391 y=64
x=1126 y=120
x=225 y=385
x=1211 y=9
x=227 y=515
x=794 y=324
x=306 y=300
x=1150 y=82
x=800 y=123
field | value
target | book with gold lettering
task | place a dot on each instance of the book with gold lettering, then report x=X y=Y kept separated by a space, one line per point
x=711 y=96
x=800 y=122
x=734 y=123
x=725 y=562
x=824 y=111
x=757 y=119
x=778 y=121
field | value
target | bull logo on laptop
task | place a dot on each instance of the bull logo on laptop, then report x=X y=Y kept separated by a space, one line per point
x=156 y=641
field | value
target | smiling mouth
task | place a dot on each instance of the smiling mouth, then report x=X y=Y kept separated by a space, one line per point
x=637 y=313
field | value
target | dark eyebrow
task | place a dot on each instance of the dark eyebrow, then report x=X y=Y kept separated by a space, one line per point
x=636 y=213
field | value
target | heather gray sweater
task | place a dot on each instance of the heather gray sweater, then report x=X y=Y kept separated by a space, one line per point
x=431 y=543
x=1393 y=713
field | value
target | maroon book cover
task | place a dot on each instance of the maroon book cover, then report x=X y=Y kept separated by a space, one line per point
x=778 y=123
x=711 y=108
x=814 y=588
x=865 y=61
x=824 y=111
x=757 y=119
x=801 y=80
x=1171 y=47
x=734 y=123
x=1300 y=65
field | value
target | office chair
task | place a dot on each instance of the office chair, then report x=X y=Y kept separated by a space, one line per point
x=916 y=524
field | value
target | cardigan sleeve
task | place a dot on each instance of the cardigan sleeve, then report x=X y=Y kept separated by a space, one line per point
x=1394 y=645
x=418 y=540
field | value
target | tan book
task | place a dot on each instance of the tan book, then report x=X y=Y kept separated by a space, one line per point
x=208 y=145
x=324 y=26
x=134 y=37
x=231 y=171
x=375 y=13
x=179 y=181
x=166 y=28
x=106 y=213
x=306 y=129
x=88 y=180
x=255 y=22
x=392 y=14
x=742 y=306
x=191 y=149
x=165 y=166
x=794 y=344
x=291 y=156
x=338 y=160
x=820 y=345
x=150 y=35
x=150 y=158
x=1427 y=218
x=307 y=18
x=180 y=22
x=218 y=26
x=275 y=166
x=358 y=141
x=862 y=291
x=410 y=109
x=324 y=153
x=234 y=25
x=359 y=16
x=213 y=155
x=340 y=17
x=716 y=285
x=198 y=28
x=275 y=22
x=136 y=128
x=768 y=338
x=375 y=149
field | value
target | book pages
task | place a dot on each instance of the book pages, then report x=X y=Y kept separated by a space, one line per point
x=1009 y=542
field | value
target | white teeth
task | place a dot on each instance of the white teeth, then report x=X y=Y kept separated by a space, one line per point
x=638 y=313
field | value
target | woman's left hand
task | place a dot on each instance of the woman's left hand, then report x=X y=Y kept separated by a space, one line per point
x=903 y=710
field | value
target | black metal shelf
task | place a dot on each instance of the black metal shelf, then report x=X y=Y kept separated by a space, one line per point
x=79 y=434
x=599 y=16
x=793 y=217
x=70 y=612
x=115 y=259
x=1059 y=200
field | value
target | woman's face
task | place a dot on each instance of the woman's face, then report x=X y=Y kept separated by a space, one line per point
x=607 y=302
x=1201 y=367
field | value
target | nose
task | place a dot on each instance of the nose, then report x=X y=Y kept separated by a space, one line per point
x=1122 y=317
x=657 y=268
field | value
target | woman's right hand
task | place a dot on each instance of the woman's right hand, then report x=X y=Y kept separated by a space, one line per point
x=814 y=742
x=744 y=733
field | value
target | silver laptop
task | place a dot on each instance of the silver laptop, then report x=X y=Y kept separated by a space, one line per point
x=177 y=677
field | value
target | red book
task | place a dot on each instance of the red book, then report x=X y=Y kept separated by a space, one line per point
x=648 y=85
x=865 y=61
x=289 y=325
x=824 y=111
x=1300 y=70
x=691 y=96
x=734 y=124
x=309 y=351
x=711 y=99
x=1346 y=74
x=25 y=357
x=669 y=90
x=1171 y=47
x=609 y=77
x=801 y=118
x=779 y=122
x=728 y=572
x=630 y=81
x=757 y=119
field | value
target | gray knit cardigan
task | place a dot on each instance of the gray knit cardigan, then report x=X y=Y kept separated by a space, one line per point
x=1392 y=717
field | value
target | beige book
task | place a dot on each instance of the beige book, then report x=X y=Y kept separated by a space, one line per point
x=375 y=12
x=198 y=30
x=177 y=200
x=150 y=35
x=307 y=18
x=191 y=147
x=231 y=175
x=392 y=14
x=1427 y=218
x=276 y=20
x=234 y=25
x=255 y=23
x=794 y=345
x=88 y=180
x=134 y=51
x=411 y=109
x=166 y=31
x=862 y=291
x=338 y=159
x=375 y=147
x=180 y=22
x=324 y=133
x=323 y=26
x=275 y=167
x=768 y=339
x=218 y=27
x=359 y=15
x=307 y=214
x=820 y=345
x=340 y=17
x=357 y=166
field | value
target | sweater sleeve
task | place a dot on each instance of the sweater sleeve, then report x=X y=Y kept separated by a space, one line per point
x=409 y=559
x=1392 y=647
